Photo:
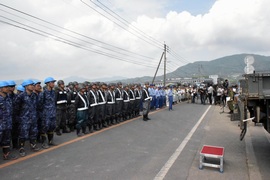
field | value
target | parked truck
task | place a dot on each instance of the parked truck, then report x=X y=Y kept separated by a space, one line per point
x=255 y=100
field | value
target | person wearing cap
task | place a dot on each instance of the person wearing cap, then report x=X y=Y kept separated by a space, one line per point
x=126 y=105
x=5 y=121
x=25 y=106
x=92 y=111
x=71 y=110
x=110 y=104
x=137 y=103
x=81 y=105
x=102 y=105
x=48 y=106
x=118 y=102
x=146 y=100
x=61 y=108
x=132 y=100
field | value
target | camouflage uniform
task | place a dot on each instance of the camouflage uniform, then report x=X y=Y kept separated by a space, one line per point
x=25 y=106
x=5 y=124
x=48 y=115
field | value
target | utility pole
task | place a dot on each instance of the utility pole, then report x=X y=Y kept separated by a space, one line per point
x=165 y=49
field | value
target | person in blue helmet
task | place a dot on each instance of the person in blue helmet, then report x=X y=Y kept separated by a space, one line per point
x=25 y=106
x=20 y=89
x=37 y=91
x=5 y=121
x=47 y=106
x=12 y=96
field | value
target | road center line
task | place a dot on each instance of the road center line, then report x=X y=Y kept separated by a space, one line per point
x=164 y=170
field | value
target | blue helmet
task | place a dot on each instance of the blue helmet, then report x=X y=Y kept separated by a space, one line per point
x=36 y=82
x=49 y=79
x=3 y=84
x=27 y=82
x=11 y=83
x=20 y=88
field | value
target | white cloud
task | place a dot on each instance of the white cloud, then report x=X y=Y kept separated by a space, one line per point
x=229 y=27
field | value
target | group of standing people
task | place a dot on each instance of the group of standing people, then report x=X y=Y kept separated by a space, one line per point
x=214 y=94
x=35 y=114
x=26 y=115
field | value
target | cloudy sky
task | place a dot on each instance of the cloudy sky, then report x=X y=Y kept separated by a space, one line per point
x=107 y=38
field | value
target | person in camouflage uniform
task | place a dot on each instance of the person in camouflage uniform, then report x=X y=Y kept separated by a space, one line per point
x=25 y=106
x=37 y=90
x=48 y=114
x=5 y=121
x=14 y=131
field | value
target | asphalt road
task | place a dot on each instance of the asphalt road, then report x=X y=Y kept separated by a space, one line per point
x=134 y=149
x=165 y=147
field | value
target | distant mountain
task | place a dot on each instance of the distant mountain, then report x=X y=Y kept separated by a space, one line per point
x=225 y=66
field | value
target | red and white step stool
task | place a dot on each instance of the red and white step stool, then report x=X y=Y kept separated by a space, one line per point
x=212 y=152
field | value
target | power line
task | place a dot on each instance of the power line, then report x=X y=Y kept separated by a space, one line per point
x=147 y=41
x=128 y=23
x=48 y=35
x=47 y=22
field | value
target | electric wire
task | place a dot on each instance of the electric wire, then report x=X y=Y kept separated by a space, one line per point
x=147 y=41
x=71 y=30
x=48 y=35
x=127 y=22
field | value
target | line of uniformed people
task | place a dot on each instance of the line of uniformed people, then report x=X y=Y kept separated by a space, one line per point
x=97 y=105
x=33 y=114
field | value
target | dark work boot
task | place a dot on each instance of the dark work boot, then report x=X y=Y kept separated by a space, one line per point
x=21 y=149
x=15 y=144
x=44 y=145
x=57 y=131
x=84 y=131
x=91 y=128
x=144 y=118
x=7 y=155
x=50 y=139
x=33 y=145
x=79 y=134
x=66 y=130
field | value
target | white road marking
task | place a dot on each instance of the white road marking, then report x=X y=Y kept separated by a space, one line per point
x=164 y=170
